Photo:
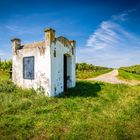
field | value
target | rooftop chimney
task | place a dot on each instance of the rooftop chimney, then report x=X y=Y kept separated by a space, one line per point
x=16 y=44
x=49 y=36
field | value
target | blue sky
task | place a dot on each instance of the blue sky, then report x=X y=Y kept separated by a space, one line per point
x=107 y=31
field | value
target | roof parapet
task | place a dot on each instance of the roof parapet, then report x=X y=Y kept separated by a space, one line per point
x=15 y=39
x=49 y=30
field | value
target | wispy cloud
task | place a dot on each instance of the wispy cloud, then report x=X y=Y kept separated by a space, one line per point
x=123 y=16
x=2 y=53
x=104 y=36
x=111 y=34
x=111 y=44
x=22 y=30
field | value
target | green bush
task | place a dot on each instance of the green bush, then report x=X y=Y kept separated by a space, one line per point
x=7 y=86
x=5 y=65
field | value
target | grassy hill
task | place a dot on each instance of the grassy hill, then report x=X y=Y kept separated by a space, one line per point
x=130 y=73
x=84 y=70
x=91 y=110
x=132 y=69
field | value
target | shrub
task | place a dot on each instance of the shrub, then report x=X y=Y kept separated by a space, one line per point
x=5 y=65
x=7 y=86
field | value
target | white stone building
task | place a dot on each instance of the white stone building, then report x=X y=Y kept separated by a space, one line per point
x=47 y=65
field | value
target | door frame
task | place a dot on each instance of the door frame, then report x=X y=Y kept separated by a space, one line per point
x=65 y=72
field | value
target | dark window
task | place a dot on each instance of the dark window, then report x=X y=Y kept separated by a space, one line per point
x=28 y=67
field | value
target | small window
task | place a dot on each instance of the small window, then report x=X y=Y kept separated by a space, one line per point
x=28 y=67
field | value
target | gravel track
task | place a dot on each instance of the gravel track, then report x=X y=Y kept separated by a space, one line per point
x=111 y=77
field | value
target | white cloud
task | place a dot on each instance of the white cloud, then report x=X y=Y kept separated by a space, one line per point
x=123 y=16
x=104 y=36
x=111 y=34
x=111 y=45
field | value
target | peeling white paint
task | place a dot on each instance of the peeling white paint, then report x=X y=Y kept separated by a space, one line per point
x=48 y=69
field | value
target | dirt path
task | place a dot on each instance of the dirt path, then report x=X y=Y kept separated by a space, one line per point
x=111 y=77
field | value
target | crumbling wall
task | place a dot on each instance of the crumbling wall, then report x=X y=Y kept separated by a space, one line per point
x=41 y=69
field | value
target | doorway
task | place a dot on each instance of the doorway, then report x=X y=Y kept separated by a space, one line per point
x=65 y=72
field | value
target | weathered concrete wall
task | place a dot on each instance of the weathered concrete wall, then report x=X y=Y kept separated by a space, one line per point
x=57 y=67
x=48 y=63
x=41 y=69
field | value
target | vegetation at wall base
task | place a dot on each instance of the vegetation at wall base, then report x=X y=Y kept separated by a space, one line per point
x=91 y=110
x=84 y=70
x=4 y=75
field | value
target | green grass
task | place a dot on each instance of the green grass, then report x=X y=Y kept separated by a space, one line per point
x=89 y=111
x=128 y=76
x=132 y=69
x=84 y=74
x=4 y=75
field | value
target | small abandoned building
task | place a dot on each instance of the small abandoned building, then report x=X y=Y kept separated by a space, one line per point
x=48 y=65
